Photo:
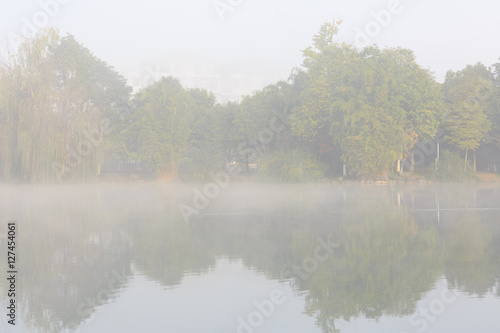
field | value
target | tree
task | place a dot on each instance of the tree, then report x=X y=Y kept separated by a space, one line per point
x=372 y=103
x=163 y=119
x=54 y=97
x=373 y=122
x=260 y=110
x=162 y=124
x=467 y=93
x=494 y=115
x=205 y=151
x=416 y=91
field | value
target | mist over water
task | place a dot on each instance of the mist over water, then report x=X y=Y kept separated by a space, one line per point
x=94 y=258
x=330 y=167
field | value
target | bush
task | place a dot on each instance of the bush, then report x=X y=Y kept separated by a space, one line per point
x=451 y=168
x=292 y=167
x=197 y=164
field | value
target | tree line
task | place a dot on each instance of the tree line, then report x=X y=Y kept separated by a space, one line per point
x=349 y=112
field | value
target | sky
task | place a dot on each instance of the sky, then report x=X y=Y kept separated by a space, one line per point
x=234 y=47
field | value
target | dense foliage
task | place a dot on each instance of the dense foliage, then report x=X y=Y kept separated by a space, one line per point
x=54 y=96
x=450 y=168
x=352 y=112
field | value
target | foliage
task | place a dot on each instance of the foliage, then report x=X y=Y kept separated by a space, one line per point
x=161 y=125
x=387 y=260
x=292 y=167
x=373 y=102
x=52 y=92
x=494 y=114
x=450 y=168
x=205 y=151
x=360 y=108
x=468 y=94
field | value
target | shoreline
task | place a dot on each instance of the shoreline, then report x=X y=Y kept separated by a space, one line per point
x=482 y=178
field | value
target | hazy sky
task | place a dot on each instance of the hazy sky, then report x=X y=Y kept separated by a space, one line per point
x=247 y=44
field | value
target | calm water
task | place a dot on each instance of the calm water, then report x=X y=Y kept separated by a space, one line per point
x=259 y=258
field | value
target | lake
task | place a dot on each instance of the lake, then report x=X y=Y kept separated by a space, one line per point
x=159 y=257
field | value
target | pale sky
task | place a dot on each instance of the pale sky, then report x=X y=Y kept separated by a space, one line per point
x=258 y=42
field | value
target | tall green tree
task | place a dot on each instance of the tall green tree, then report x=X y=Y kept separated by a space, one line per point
x=373 y=103
x=468 y=94
x=416 y=91
x=205 y=152
x=495 y=106
x=262 y=121
x=162 y=124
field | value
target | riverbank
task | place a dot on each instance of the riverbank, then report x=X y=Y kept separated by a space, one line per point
x=407 y=178
x=415 y=178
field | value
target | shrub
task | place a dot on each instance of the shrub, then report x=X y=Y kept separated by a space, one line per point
x=451 y=168
x=292 y=167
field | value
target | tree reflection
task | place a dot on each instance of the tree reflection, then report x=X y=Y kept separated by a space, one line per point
x=472 y=253
x=390 y=253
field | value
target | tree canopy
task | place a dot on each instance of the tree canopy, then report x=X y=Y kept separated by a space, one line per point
x=64 y=112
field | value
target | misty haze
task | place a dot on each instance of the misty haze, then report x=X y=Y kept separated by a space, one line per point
x=243 y=166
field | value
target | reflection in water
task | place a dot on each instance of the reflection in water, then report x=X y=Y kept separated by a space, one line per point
x=81 y=247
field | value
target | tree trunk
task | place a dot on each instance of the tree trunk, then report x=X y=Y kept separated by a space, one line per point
x=398 y=166
x=475 y=198
x=412 y=167
x=404 y=165
x=437 y=206
x=344 y=171
x=475 y=161
x=465 y=164
x=437 y=155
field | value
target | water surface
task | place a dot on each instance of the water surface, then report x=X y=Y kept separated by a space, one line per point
x=256 y=258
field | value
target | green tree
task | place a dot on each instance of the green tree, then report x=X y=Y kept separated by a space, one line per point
x=495 y=106
x=373 y=103
x=205 y=151
x=53 y=92
x=467 y=93
x=162 y=123
x=416 y=91
x=262 y=121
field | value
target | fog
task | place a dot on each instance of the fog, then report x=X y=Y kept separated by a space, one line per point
x=89 y=254
x=259 y=42
x=249 y=166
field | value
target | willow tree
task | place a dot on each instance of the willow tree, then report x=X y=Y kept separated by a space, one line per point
x=54 y=97
x=31 y=137
x=8 y=120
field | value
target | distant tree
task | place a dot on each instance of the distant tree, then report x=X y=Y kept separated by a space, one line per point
x=416 y=91
x=54 y=94
x=228 y=131
x=495 y=106
x=161 y=126
x=468 y=94
x=373 y=103
x=262 y=121
x=205 y=152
